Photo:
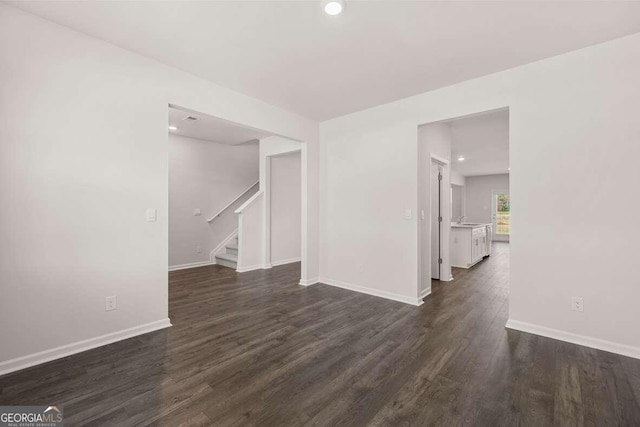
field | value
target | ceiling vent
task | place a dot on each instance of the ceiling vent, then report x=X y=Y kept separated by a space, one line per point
x=190 y=119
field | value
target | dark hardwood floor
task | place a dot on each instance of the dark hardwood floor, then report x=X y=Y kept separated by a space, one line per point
x=257 y=349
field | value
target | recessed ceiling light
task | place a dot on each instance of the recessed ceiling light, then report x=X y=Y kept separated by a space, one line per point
x=461 y=159
x=334 y=7
x=173 y=128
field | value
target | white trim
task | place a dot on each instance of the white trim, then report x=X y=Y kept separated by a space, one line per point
x=221 y=246
x=285 y=261
x=309 y=282
x=249 y=202
x=425 y=293
x=232 y=202
x=79 y=346
x=240 y=236
x=191 y=265
x=467 y=266
x=438 y=159
x=304 y=265
x=445 y=231
x=266 y=187
x=376 y=293
x=251 y=268
x=612 y=347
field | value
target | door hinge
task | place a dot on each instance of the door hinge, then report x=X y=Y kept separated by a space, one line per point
x=439 y=176
x=439 y=260
x=439 y=219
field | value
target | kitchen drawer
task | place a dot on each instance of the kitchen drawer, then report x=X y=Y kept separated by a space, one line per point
x=479 y=231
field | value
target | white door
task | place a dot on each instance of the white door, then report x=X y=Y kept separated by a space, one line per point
x=436 y=218
x=501 y=215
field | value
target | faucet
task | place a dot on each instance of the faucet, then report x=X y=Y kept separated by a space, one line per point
x=460 y=219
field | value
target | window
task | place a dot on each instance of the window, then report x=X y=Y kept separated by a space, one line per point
x=503 y=214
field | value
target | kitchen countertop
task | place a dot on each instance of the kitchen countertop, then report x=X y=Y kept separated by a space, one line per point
x=456 y=225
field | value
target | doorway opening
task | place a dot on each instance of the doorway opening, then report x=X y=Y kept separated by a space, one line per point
x=501 y=215
x=283 y=197
x=437 y=169
x=219 y=210
x=463 y=187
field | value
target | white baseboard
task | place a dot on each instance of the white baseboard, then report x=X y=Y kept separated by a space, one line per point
x=251 y=268
x=79 y=346
x=285 y=261
x=308 y=282
x=192 y=265
x=374 y=292
x=265 y=266
x=557 y=334
x=221 y=246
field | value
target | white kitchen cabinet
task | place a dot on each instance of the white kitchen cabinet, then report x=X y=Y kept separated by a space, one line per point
x=469 y=244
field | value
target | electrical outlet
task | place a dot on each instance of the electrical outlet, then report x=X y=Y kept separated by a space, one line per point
x=360 y=268
x=198 y=249
x=197 y=212
x=111 y=303
x=577 y=304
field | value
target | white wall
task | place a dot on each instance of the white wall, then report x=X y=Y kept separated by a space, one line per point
x=433 y=140
x=274 y=146
x=456 y=178
x=478 y=196
x=574 y=131
x=285 y=215
x=205 y=175
x=83 y=155
x=457 y=202
x=251 y=227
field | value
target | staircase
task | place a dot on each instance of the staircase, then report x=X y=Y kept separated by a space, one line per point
x=230 y=257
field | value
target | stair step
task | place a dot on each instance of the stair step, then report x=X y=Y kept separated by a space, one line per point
x=228 y=257
x=227 y=260
x=232 y=250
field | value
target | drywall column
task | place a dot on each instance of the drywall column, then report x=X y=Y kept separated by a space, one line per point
x=250 y=233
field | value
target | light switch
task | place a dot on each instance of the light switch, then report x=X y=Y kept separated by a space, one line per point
x=407 y=214
x=197 y=212
x=152 y=215
x=422 y=214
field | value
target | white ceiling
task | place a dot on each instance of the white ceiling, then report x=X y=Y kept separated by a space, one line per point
x=483 y=141
x=211 y=128
x=290 y=54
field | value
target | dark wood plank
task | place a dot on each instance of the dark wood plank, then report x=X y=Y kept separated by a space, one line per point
x=257 y=349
